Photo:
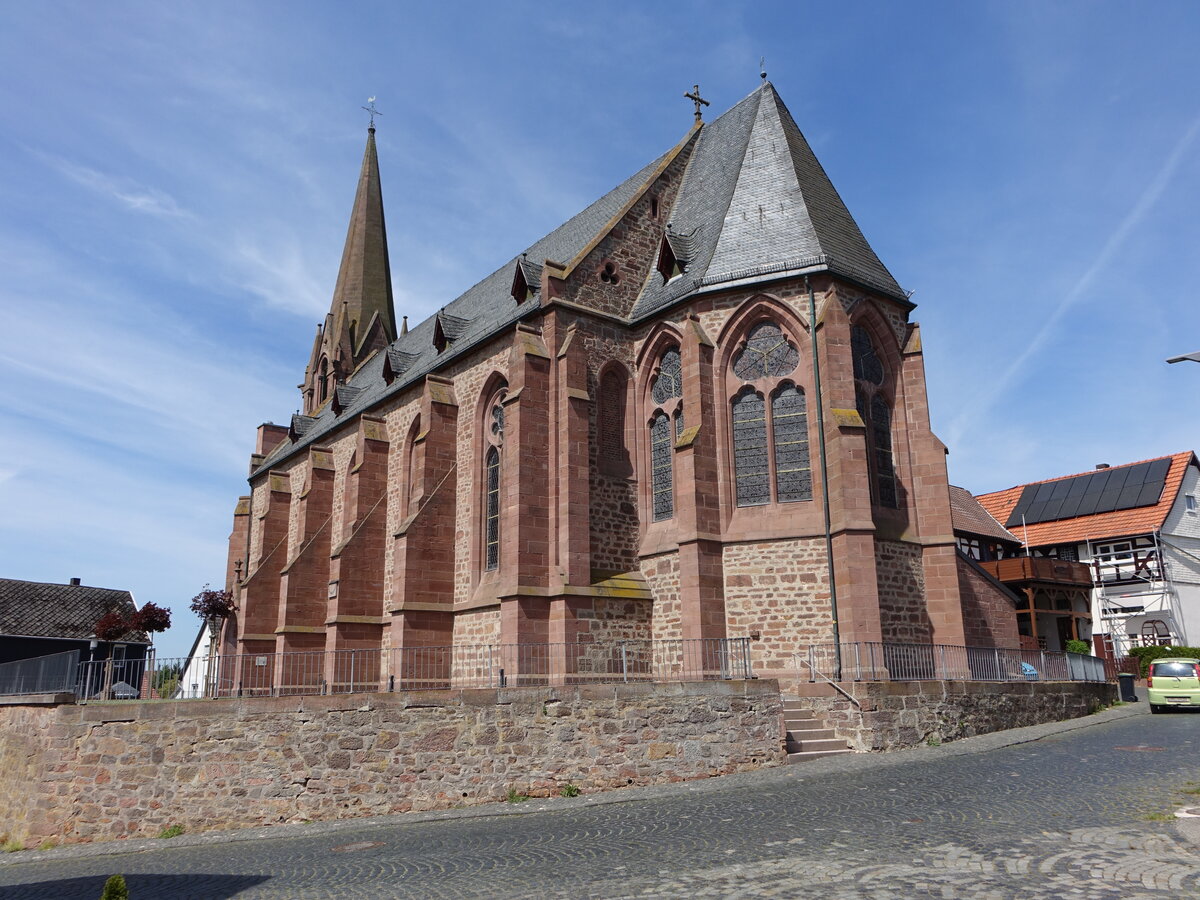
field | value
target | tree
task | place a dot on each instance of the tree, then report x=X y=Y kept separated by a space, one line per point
x=112 y=626
x=151 y=618
x=211 y=604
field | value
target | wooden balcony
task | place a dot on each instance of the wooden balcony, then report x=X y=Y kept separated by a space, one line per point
x=1027 y=569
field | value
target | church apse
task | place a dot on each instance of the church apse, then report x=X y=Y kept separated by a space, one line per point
x=591 y=445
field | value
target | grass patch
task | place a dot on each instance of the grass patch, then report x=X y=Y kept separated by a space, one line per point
x=1158 y=817
x=171 y=831
x=933 y=741
x=11 y=846
x=514 y=796
x=569 y=790
x=48 y=844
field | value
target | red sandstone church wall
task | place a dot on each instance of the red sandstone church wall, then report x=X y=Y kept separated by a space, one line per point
x=469 y=378
x=903 y=615
x=989 y=616
x=614 y=526
x=779 y=589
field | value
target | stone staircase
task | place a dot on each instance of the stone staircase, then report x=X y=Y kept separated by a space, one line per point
x=807 y=736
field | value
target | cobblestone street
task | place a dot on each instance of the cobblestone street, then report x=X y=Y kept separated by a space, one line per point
x=1079 y=814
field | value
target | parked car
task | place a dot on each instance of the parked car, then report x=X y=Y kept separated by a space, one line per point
x=1174 y=681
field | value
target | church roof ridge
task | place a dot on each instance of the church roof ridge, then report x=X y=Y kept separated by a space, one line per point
x=700 y=215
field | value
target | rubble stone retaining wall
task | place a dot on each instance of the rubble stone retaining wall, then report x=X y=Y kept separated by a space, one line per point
x=104 y=771
x=896 y=715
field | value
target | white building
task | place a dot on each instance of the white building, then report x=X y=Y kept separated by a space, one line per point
x=1137 y=526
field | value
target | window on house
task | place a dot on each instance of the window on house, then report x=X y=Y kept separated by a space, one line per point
x=770 y=439
x=666 y=424
x=1190 y=500
x=875 y=410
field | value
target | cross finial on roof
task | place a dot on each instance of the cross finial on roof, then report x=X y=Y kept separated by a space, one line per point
x=695 y=97
x=373 y=111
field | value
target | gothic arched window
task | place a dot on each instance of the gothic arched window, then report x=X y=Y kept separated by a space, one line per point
x=770 y=439
x=666 y=424
x=494 y=439
x=323 y=381
x=876 y=413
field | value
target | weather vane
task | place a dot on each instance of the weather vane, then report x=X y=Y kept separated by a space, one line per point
x=695 y=97
x=373 y=111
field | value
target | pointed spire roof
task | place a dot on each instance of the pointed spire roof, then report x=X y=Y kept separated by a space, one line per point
x=755 y=202
x=364 y=282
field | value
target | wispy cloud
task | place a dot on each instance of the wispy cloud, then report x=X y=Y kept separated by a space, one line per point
x=125 y=191
x=1108 y=253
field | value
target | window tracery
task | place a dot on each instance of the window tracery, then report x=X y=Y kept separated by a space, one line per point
x=494 y=423
x=666 y=425
x=876 y=413
x=770 y=439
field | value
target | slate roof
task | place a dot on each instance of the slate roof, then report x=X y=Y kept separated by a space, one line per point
x=35 y=609
x=1098 y=526
x=969 y=516
x=754 y=204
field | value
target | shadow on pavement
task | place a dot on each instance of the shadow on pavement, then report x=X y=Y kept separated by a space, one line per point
x=142 y=886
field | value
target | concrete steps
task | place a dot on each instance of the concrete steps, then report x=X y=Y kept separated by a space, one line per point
x=807 y=736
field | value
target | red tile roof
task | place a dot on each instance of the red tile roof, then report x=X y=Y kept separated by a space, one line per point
x=1097 y=526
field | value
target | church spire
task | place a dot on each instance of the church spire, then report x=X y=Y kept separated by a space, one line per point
x=362 y=315
x=364 y=283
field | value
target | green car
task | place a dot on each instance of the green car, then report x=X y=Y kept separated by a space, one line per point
x=1174 y=681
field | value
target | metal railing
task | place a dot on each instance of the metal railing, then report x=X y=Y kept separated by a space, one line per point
x=885 y=661
x=42 y=675
x=368 y=670
x=414 y=669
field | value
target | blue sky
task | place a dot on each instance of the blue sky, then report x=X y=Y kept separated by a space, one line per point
x=175 y=181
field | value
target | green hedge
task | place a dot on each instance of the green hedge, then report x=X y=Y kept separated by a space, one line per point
x=1147 y=655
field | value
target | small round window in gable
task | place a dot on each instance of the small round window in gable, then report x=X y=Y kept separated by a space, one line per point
x=608 y=272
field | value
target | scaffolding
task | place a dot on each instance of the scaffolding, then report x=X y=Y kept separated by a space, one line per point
x=1133 y=582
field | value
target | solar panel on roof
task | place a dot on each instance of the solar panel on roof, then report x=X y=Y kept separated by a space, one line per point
x=1108 y=490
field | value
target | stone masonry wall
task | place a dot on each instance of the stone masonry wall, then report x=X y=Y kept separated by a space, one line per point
x=662 y=574
x=100 y=772
x=901 y=714
x=902 y=613
x=780 y=590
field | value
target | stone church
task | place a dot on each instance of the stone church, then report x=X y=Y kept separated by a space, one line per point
x=695 y=410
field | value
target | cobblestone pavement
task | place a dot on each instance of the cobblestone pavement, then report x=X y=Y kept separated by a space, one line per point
x=1082 y=814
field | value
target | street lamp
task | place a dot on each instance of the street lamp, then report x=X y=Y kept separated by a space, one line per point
x=1194 y=357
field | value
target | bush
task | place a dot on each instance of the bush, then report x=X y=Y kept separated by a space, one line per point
x=115 y=889
x=1079 y=647
x=1147 y=655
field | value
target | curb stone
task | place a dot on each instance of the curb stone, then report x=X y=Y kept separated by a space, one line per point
x=820 y=768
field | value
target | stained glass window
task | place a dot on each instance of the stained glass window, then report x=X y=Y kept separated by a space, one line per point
x=751 y=468
x=767 y=354
x=867 y=365
x=789 y=427
x=498 y=417
x=669 y=382
x=492 y=511
x=881 y=435
x=660 y=467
